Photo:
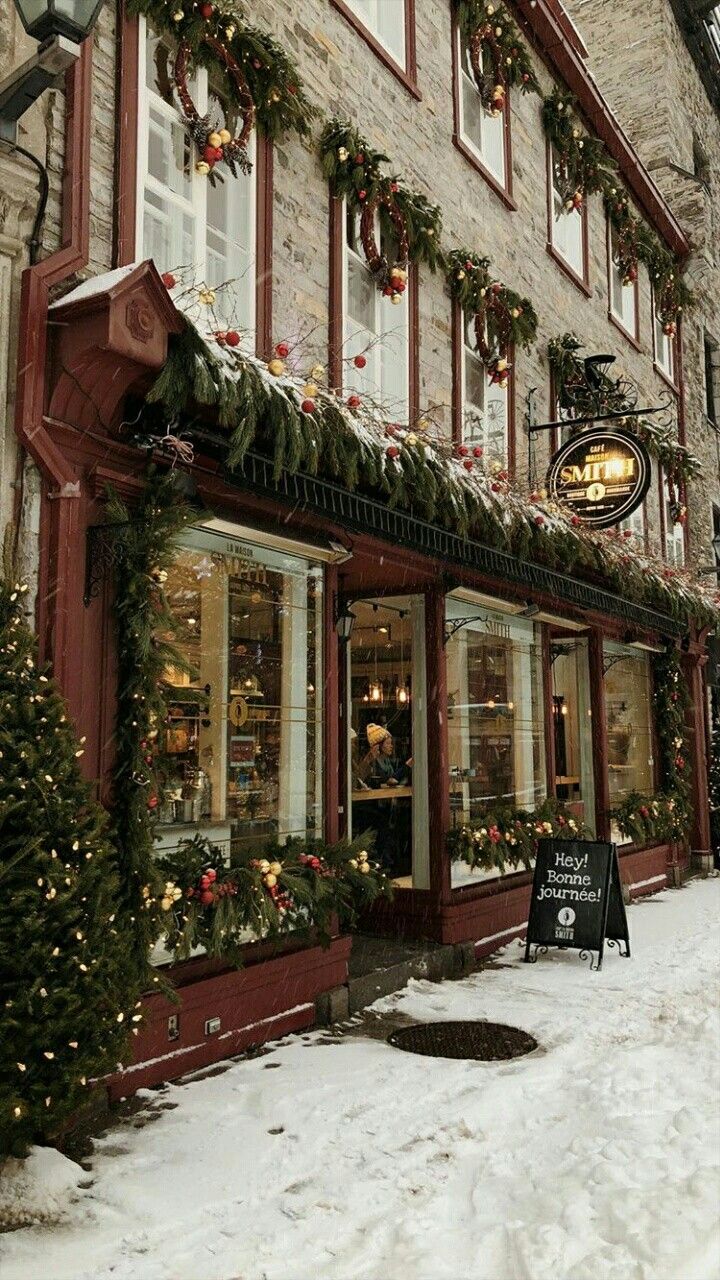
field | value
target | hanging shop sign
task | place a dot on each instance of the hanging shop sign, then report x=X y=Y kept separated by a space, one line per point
x=602 y=476
x=576 y=900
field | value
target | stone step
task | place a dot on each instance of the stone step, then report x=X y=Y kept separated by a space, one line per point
x=380 y=966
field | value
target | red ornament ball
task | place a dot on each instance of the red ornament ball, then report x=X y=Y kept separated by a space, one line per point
x=496 y=288
x=495 y=487
x=360 y=158
x=206 y=897
x=392 y=451
x=362 y=194
x=206 y=10
x=394 y=187
x=152 y=802
x=469 y=266
x=468 y=464
x=539 y=520
x=168 y=279
x=575 y=520
x=478 y=451
x=359 y=362
x=308 y=406
x=354 y=402
x=209 y=155
x=463 y=450
x=282 y=349
x=232 y=337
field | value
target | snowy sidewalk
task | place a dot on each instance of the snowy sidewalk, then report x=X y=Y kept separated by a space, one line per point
x=596 y=1158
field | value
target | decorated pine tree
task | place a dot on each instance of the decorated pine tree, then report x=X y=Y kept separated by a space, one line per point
x=66 y=1003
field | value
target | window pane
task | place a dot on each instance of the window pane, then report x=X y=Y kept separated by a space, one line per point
x=567 y=234
x=494 y=146
x=362 y=294
x=495 y=715
x=242 y=742
x=629 y=724
x=386 y=20
x=472 y=113
x=168 y=232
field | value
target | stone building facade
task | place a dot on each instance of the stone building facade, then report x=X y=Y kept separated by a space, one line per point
x=642 y=58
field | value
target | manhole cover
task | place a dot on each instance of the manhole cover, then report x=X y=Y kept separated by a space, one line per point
x=484 y=1041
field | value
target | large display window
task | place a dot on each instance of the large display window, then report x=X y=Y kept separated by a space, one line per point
x=572 y=715
x=628 y=710
x=496 y=745
x=242 y=744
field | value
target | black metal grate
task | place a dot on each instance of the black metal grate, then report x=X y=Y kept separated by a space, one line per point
x=483 y=1041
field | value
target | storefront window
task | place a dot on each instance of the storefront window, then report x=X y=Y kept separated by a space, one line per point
x=387 y=762
x=628 y=708
x=572 y=727
x=242 y=746
x=495 y=714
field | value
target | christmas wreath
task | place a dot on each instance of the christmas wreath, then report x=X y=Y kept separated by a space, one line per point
x=261 y=81
x=581 y=165
x=501 y=317
x=498 y=57
x=407 y=219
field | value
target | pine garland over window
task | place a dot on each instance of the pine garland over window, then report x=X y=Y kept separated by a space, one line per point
x=580 y=163
x=504 y=839
x=498 y=55
x=502 y=317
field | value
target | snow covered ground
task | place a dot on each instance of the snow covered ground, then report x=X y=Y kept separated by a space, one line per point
x=596 y=1158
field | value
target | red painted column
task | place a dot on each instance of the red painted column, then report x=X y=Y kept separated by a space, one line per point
x=700 y=842
x=331 y=709
x=437 y=744
x=599 y=736
x=548 y=718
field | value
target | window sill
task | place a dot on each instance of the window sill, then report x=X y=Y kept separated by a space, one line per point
x=632 y=338
x=500 y=191
x=663 y=373
x=409 y=81
x=569 y=271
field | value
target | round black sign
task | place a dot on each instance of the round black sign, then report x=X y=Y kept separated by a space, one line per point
x=601 y=475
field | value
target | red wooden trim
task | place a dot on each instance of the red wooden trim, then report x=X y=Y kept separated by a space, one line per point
x=414 y=343
x=671 y=382
x=582 y=282
x=263 y=246
x=700 y=834
x=682 y=437
x=126 y=139
x=632 y=338
x=599 y=735
x=437 y=743
x=511 y=441
x=505 y=193
x=457 y=339
x=539 y=20
x=406 y=75
x=335 y=302
x=331 y=708
x=548 y=718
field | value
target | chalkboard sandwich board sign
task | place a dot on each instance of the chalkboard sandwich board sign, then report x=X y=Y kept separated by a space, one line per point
x=576 y=900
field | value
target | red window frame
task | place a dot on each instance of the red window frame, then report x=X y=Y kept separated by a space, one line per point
x=407 y=75
x=505 y=193
x=458 y=342
x=632 y=338
x=582 y=282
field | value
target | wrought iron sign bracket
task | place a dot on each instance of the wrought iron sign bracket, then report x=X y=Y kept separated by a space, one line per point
x=565 y=423
x=452 y=627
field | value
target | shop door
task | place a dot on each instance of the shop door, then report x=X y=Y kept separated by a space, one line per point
x=572 y=727
x=387 y=746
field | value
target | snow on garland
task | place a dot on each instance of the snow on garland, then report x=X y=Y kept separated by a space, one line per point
x=498 y=56
x=501 y=317
x=502 y=838
x=675 y=460
x=357 y=446
x=260 y=80
x=406 y=218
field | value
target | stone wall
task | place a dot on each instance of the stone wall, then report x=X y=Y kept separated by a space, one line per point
x=344 y=76
x=645 y=70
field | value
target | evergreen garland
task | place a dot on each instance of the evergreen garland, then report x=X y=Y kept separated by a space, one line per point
x=634 y=243
x=498 y=55
x=502 y=317
x=68 y=990
x=714 y=788
x=280 y=100
x=502 y=838
x=144 y=548
x=360 y=449
x=581 y=165
x=354 y=171
x=298 y=888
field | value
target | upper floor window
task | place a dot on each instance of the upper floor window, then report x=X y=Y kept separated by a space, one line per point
x=373 y=327
x=674 y=530
x=664 y=346
x=623 y=297
x=568 y=229
x=183 y=218
x=484 y=419
x=385 y=20
x=483 y=134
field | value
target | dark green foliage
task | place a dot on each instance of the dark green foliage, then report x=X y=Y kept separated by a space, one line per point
x=144 y=628
x=577 y=170
x=204 y=901
x=67 y=987
x=280 y=100
x=506 y=316
x=502 y=838
x=516 y=67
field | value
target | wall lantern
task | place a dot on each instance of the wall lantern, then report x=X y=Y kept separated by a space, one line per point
x=60 y=26
x=344 y=624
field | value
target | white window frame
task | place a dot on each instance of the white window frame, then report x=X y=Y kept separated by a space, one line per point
x=626 y=295
x=674 y=533
x=197 y=203
x=486 y=122
x=371 y=16
x=481 y=436
x=369 y=381
x=559 y=216
x=663 y=347
x=635 y=523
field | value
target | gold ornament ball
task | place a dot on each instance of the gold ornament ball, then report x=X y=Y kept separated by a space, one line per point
x=275 y=868
x=423 y=424
x=202 y=166
x=410 y=438
x=178 y=15
x=515 y=313
x=461 y=275
x=364 y=867
x=207 y=297
x=317 y=371
x=214 y=139
x=491 y=9
x=270 y=880
x=275 y=96
x=342 y=154
x=229 y=33
x=225 y=137
x=264 y=866
x=310 y=390
x=276 y=367
x=396 y=299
